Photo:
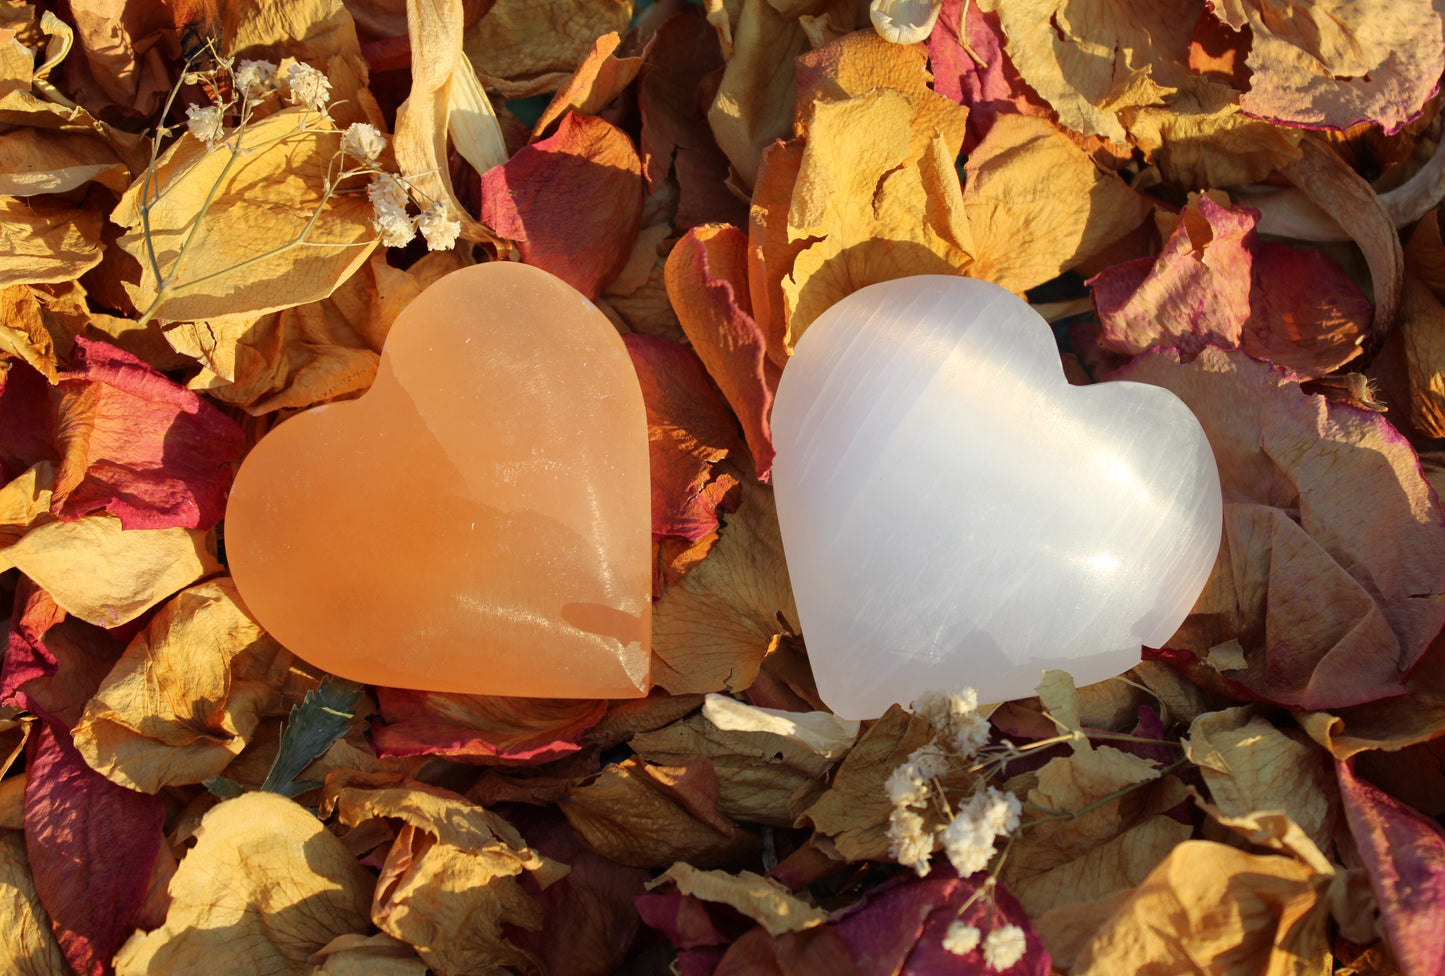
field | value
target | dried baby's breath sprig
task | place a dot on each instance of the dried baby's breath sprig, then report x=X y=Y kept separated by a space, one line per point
x=364 y=142
x=254 y=80
x=438 y=227
x=968 y=829
x=1003 y=947
x=307 y=86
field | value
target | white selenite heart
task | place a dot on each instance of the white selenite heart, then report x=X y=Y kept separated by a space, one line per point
x=955 y=514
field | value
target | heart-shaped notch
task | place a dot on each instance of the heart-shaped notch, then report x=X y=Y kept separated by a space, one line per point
x=955 y=514
x=479 y=520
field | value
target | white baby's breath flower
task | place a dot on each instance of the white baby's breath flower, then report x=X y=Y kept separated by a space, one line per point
x=932 y=707
x=307 y=86
x=909 y=841
x=395 y=227
x=968 y=734
x=1004 y=947
x=255 y=79
x=906 y=788
x=438 y=228
x=929 y=760
x=968 y=844
x=998 y=810
x=961 y=938
x=956 y=718
x=363 y=141
x=386 y=192
x=205 y=124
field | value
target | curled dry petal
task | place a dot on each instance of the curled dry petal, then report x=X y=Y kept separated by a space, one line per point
x=93 y=568
x=572 y=202
x=481 y=729
x=1405 y=853
x=904 y=21
x=265 y=887
x=187 y=694
x=1208 y=904
x=689 y=430
x=440 y=86
x=29 y=941
x=91 y=845
x=135 y=444
x=711 y=631
x=1215 y=284
x=1334 y=599
x=1337 y=63
x=707 y=284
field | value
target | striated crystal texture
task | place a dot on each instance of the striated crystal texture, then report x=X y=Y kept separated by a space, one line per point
x=479 y=520
x=954 y=513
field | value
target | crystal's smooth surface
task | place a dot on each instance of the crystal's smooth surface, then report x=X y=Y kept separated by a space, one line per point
x=955 y=514
x=479 y=520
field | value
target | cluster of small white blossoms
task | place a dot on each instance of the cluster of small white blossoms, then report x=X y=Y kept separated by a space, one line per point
x=304 y=85
x=968 y=834
x=1002 y=947
x=968 y=838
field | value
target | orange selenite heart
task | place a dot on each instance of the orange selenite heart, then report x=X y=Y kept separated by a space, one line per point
x=479 y=520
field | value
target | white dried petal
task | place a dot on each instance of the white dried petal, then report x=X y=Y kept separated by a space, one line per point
x=904 y=21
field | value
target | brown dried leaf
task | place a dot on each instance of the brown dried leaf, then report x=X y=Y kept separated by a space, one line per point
x=244 y=250
x=1214 y=910
x=187 y=694
x=711 y=630
x=315 y=352
x=452 y=878
x=35 y=161
x=265 y=888
x=1250 y=765
x=649 y=816
x=761 y=899
x=770 y=764
x=92 y=568
x=43 y=239
x=854 y=811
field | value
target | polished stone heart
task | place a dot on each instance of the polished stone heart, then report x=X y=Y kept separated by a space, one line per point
x=955 y=514
x=479 y=520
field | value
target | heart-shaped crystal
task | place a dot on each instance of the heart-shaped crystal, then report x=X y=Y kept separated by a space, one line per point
x=955 y=514
x=479 y=520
